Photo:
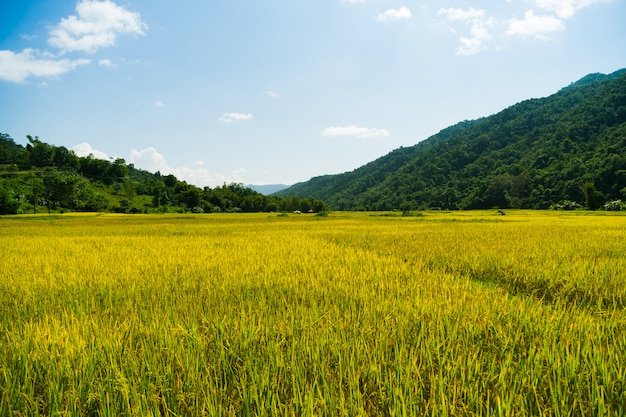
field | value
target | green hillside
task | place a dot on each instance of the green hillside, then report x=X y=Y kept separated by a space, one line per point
x=565 y=150
x=45 y=178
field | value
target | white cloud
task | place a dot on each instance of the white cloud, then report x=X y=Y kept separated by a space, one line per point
x=97 y=25
x=159 y=104
x=534 y=26
x=480 y=25
x=200 y=177
x=106 y=63
x=352 y=130
x=392 y=14
x=151 y=160
x=547 y=17
x=231 y=117
x=85 y=149
x=565 y=9
x=17 y=67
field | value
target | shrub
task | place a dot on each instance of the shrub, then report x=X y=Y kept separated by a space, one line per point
x=566 y=205
x=614 y=205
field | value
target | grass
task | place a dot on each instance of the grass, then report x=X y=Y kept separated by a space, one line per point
x=462 y=313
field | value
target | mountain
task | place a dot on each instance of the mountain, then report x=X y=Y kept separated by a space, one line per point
x=267 y=189
x=567 y=148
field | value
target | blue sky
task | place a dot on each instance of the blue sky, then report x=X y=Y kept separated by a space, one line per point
x=279 y=91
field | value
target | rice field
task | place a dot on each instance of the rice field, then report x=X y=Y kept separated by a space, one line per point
x=439 y=314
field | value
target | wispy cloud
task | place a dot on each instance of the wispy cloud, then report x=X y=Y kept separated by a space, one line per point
x=17 y=67
x=565 y=9
x=547 y=18
x=394 y=14
x=107 y=63
x=355 y=131
x=539 y=27
x=28 y=37
x=232 y=117
x=97 y=25
x=480 y=25
x=273 y=94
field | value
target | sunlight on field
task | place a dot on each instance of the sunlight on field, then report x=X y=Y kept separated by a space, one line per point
x=461 y=313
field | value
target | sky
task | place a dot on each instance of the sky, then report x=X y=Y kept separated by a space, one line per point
x=279 y=91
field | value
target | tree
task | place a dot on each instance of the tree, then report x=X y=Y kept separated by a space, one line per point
x=94 y=168
x=65 y=159
x=170 y=181
x=40 y=154
x=10 y=152
x=192 y=197
x=8 y=204
x=119 y=169
x=158 y=192
x=593 y=198
x=67 y=190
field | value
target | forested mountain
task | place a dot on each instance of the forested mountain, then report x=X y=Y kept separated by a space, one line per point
x=44 y=178
x=564 y=150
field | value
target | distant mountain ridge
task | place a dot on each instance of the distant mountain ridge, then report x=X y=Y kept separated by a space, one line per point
x=568 y=147
x=268 y=189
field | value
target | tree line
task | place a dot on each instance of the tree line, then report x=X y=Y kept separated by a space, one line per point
x=43 y=177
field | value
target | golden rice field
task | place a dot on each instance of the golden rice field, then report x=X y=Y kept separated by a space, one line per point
x=443 y=314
